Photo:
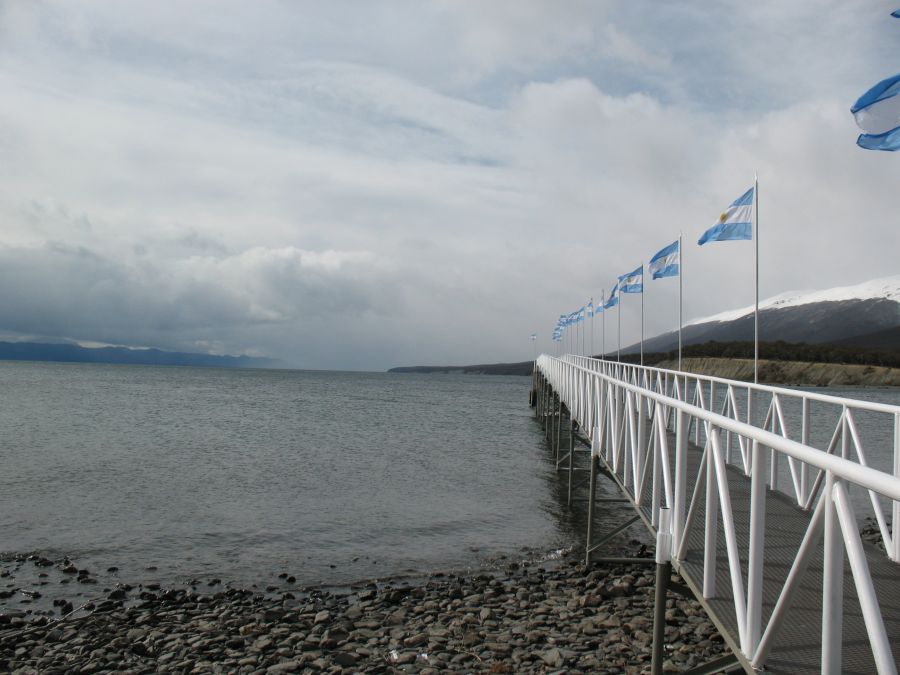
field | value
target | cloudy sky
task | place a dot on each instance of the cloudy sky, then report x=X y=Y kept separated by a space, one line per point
x=358 y=185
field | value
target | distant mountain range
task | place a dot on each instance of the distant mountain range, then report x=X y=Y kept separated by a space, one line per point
x=71 y=353
x=866 y=315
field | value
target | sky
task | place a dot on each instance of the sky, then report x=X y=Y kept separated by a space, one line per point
x=357 y=185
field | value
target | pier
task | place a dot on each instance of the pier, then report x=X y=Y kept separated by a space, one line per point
x=748 y=501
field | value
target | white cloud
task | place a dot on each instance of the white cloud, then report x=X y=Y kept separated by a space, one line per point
x=360 y=185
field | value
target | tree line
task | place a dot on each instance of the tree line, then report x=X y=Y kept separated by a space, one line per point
x=777 y=351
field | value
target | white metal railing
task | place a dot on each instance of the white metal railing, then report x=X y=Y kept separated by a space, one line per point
x=630 y=413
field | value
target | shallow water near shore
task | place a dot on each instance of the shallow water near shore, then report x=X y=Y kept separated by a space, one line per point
x=171 y=474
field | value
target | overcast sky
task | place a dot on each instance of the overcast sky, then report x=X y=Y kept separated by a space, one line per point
x=358 y=185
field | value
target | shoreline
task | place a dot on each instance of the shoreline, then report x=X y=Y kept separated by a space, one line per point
x=525 y=616
x=792 y=373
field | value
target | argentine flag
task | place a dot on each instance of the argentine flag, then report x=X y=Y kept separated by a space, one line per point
x=877 y=113
x=591 y=308
x=736 y=223
x=896 y=14
x=666 y=262
x=633 y=282
x=613 y=299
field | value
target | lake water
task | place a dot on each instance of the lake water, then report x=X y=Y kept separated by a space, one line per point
x=172 y=474
x=244 y=474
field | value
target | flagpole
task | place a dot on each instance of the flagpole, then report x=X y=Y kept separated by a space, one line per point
x=756 y=311
x=582 y=336
x=603 y=326
x=642 y=312
x=619 y=344
x=593 y=313
x=577 y=334
x=680 y=287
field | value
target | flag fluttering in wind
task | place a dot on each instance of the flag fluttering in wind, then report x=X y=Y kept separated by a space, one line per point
x=633 y=282
x=666 y=262
x=590 y=308
x=735 y=224
x=613 y=299
x=896 y=14
x=877 y=113
x=534 y=336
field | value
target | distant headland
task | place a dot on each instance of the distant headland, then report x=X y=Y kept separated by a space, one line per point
x=780 y=363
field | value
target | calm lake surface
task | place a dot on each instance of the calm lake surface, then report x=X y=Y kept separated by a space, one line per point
x=243 y=474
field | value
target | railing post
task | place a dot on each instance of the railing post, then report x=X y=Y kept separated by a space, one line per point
x=773 y=469
x=680 y=488
x=750 y=393
x=640 y=457
x=711 y=528
x=832 y=586
x=757 y=547
x=804 y=438
x=895 y=515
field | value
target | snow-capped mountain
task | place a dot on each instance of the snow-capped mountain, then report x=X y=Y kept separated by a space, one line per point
x=887 y=288
x=867 y=314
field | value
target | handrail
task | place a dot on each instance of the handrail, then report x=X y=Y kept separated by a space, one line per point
x=864 y=476
x=873 y=406
x=625 y=409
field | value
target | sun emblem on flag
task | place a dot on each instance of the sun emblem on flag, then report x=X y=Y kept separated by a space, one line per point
x=723 y=217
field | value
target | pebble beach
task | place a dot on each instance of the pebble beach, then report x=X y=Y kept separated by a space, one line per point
x=537 y=617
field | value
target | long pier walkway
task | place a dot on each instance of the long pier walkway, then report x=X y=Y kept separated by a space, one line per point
x=761 y=523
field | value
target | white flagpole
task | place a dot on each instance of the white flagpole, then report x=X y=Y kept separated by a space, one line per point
x=583 y=331
x=619 y=345
x=680 y=286
x=578 y=334
x=756 y=311
x=603 y=326
x=642 y=312
x=593 y=314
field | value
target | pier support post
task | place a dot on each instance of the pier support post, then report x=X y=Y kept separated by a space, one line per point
x=572 y=425
x=663 y=577
x=592 y=491
x=558 y=427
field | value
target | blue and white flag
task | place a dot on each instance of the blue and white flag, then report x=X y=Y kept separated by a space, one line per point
x=613 y=299
x=896 y=14
x=633 y=282
x=666 y=262
x=735 y=224
x=590 y=311
x=534 y=336
x=877 y=113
